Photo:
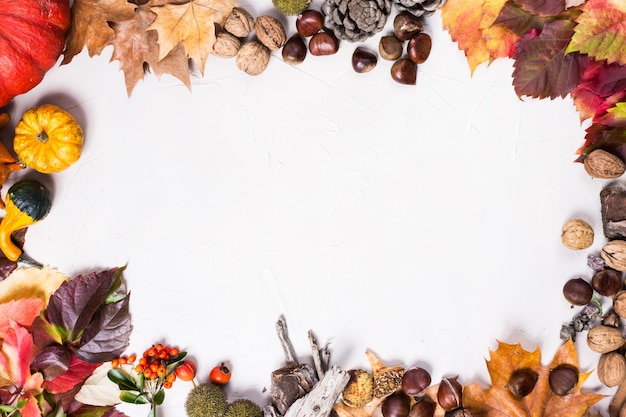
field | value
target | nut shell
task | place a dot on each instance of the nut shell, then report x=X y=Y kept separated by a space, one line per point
x=619 y=303
x=602 y=164
x=252 y=58
x=604 y=339
x=577 y=234
x=239 y=22
x=614 y=254
x=226 y=45
x=270 y=32
x=612 y=369
x=359 y=391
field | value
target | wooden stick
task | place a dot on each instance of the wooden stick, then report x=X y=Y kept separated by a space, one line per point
x=317 y=357
x=320 y=400
x=283 y=335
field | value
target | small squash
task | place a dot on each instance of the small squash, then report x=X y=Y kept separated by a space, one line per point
x=27 y=202
x=48 y=139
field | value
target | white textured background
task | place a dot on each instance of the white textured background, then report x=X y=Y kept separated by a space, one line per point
x=422 y=222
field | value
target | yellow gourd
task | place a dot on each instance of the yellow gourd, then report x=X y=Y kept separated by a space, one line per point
x=48 y=139
x=27 y=202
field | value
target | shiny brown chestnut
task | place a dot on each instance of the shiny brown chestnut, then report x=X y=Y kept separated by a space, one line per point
x=406 y=25
x=323 y=43
x=390 y=47
x=294 y=50
x=419 y=48
x=363 y=61
x=577 y=291
x=607 y=282
x=396 y=405
x=563 y=379
x=449 y=394
x=415 y=380
x=309 y=22
x=424 y=407
x=404 y=71
x=522 y=382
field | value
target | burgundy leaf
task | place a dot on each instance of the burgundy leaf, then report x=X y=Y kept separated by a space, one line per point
x=76 y=374
x=603 y=137
x=541 y=68
x=543 y=7
x=52 y=361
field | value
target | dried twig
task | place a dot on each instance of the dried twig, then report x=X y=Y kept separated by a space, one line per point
x=320 y=400
x=317 y=357
x=283 y=335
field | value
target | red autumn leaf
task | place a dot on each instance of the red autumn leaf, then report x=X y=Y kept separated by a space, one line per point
x=541 y=67
x=78 y=371
x=601 y=87
x=601 y=31
x=543 y=7
x=498 y=401
x=615 y=116
x=22 y=311
x=600 y=136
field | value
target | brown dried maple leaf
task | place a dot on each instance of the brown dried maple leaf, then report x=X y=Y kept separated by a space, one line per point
x=498 y=401
x=90 y=25
x=191 y=23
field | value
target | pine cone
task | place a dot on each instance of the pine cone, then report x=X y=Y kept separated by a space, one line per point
x=356 y=20
x=419 y=7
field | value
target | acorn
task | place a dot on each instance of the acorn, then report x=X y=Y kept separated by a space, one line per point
x=522 y=381
x=449 y=394
x=563 y=379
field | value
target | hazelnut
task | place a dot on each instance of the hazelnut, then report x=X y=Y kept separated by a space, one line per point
x=522 y=382
x=252 y=58
x=363 y=61
x=404 y=71
x=604 y=339
x=226 y=45
x=270 y=32
x=602 y=164
x=390 y=47
x=577 y=234
x=323 y=43
x=563 y=379
x=449 y=394
x=607 y=282
x=359 y=390
x=612 y=369
x=239 y=22
x=406 y=25
x=419 y=48
x=294 y=50
x=309 y=22
x=614 y=254
x=577 y=291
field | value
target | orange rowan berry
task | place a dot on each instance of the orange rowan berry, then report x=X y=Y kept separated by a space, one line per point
x=139 y=368
x=152 y=351
x=154 y=366
x=167 y=385
x=159 y=347
x=147 y=372
x=123 y=360
x=171 y=377
x=132 y=358
x=115 y=363
x=174 y=351
x=162 y=354
x=143 y=361
x=154 y=377
x=161 y=371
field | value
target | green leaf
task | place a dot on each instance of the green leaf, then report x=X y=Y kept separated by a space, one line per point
x=122 y=379
x=615 y=116
x=601 y=31
x=6 y=408
x=159 y=397
x=134 y=398
x=118 y=290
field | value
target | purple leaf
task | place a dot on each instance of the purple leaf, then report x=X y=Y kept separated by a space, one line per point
x=53 y=360
x=543 y=7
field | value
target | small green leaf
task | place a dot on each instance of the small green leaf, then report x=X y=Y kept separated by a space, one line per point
x=123 y=380
x=159 y=397
x=6 y=408
x=134 y=398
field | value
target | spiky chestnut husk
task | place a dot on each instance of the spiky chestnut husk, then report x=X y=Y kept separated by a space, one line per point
x=243 y=408
x=206 y=400
x=291 y=7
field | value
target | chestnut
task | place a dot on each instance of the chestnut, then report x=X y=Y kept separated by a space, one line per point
x=363 y=61
x=323 y=43
x=419 y=48
x=309 y=22
x=415 y=380
x=404 y=71
x=607 y=282
x=563 y=379
x=577 y=291
x=396 y=405
x=522 y=381
x=406 y=25
x=390 y=47
x=424 y=407
x=449 y=394
x=294 y=50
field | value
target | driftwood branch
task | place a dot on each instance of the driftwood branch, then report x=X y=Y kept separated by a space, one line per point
x=317 y=356
x=283 y=335
x=320 y=400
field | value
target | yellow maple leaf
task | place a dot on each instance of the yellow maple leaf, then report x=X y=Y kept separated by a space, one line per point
x=541 y=402
x=471 y=25
x=31 y=282
x=193 y=24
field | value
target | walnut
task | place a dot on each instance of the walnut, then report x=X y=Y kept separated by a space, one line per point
x=614 y=254
x=619 y=303
x=602 y=164
x=577 y=234
x=239 y=22
x=270 y=32
x=226 y=45
x=253 y=58
x=612 y=369
x=604 y=339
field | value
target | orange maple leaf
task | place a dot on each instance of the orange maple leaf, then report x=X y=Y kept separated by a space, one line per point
x=497 y=401
x=193 y=24
x=471 y=25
